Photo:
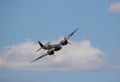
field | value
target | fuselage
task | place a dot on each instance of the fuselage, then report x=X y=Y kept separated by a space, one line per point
x=56 y=47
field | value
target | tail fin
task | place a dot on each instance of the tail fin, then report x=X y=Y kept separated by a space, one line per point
x=41 y=45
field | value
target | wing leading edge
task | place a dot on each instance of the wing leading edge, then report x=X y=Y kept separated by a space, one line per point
x=39 y=57
x=69 y=36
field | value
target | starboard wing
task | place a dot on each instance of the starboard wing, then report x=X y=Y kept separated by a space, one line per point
x=69 y=36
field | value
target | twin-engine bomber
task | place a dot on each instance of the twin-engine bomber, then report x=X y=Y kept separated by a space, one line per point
x=51 y=48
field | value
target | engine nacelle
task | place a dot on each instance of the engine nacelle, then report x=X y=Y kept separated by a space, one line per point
x=64 y=42
x=50 y=52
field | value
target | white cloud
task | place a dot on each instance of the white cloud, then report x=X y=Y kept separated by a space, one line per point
x=115 y=7
x=77 y=56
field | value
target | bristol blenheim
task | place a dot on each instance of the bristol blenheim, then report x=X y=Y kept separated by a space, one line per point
x=51 y=48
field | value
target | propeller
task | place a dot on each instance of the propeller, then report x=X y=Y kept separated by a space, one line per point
x=69 y=43
x=66 y=40
x=53 y=55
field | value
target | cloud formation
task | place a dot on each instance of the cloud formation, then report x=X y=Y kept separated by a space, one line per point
x=115 y=7
x=77 y=56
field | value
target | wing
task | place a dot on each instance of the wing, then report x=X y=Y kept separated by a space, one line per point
x=69 y=36
x=39 y=57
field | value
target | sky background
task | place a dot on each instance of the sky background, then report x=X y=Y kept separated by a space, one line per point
x=24 y=22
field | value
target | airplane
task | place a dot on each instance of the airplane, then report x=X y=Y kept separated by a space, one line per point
x=51 y=48
x=57 y=47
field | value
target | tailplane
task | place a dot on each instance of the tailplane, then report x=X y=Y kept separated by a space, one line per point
x=41 y=46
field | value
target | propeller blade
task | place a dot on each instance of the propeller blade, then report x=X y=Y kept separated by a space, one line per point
x=53 y=55
x=69 y=43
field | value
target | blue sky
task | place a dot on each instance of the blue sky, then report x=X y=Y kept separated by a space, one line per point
x=24 y=22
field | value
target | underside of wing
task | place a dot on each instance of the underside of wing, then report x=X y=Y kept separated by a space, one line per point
x=39 y=57
x=69 y=36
